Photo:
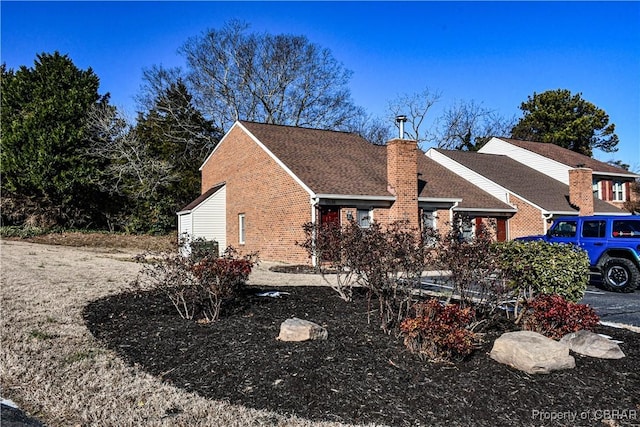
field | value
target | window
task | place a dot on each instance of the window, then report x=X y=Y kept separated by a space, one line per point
x=564 y=229
x=429 y=228
x=365 y=217
x=618 y=191
x=626 y=228
x=596 y=189
x=429 y=220
x=593 y=228
x=241 y=226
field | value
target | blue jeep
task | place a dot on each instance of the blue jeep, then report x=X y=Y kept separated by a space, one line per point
x=612 y=242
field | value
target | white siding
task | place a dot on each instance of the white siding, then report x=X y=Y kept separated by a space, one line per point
x=473 y=177
x=184 y=224
x=551 y=168
x=210 y=218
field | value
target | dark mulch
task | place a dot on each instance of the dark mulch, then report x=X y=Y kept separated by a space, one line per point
x=359 y=374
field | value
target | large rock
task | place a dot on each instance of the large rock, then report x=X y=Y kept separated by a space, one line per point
x=295 y=329
x=591 y=344
x=531 y=352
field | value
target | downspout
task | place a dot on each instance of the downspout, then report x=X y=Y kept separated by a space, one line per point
x=546 y=217
x=315 y=201
x=455 y=205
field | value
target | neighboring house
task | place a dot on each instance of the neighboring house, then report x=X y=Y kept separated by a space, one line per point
x=263 y=182
x=531 y=184
x=610 y=183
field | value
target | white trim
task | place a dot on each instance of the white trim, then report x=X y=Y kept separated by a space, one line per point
x=242 y=223
x=217 y=145
x=277 y=160
x=438 y=199
x=266 y=150
x=480 y=181
x=187 y=211
x=488 y=210
x=605 y=175
x=354 y=197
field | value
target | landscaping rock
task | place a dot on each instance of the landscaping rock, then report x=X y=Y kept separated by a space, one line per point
x=531 y=352
x=593 y=345
x=295 y=329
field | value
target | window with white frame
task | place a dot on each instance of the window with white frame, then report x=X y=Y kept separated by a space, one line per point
x=241 y=228
x=364 y=217
x=618 y=191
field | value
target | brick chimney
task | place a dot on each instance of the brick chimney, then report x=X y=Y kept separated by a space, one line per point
x=581 y=190
x=402 y=180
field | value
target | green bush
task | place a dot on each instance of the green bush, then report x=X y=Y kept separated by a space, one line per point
x=538 y=267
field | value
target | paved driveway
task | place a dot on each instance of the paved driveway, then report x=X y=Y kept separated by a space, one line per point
x=614 y=307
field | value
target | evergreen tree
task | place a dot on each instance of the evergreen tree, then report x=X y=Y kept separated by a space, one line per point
x=47 y=177
x=567 y=120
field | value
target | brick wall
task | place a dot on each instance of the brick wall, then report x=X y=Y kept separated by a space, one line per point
x=274 y=205
x=581 y=190
x=402 y=178
x=526 y=222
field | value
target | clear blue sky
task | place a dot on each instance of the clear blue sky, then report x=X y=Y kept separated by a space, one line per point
x=495 y=53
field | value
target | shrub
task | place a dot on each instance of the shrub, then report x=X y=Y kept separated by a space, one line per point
x=388 y=262
x=439 y=331
x=554 y=316
x=222 y=278
x=475 y=275
x=539 y=267
x=198 y=285
x=324 y=244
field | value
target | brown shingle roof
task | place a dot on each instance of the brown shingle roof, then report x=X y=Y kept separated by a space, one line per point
x=330 y=162
x=567 y=157
x=523 y=181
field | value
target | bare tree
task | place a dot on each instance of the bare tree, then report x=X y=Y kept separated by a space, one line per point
x=416 y=107
x=468 y=126
x=132 y=170
x=281 y=79
x=374 y=129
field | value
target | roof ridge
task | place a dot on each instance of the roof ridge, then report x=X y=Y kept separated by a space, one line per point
x=250 y=122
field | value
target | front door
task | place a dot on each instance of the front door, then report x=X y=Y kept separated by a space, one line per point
x=501 y=230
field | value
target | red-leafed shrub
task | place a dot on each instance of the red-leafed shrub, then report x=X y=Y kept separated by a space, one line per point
x=553 y=316
x=438 y=331
x=222 y=278
x=199 y=282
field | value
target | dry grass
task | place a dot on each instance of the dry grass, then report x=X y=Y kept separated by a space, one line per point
x=55 y=370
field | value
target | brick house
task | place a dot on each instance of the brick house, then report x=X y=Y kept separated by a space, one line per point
x=263 y=182
x=541 y=188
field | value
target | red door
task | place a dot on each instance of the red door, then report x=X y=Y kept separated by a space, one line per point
x=501 y=230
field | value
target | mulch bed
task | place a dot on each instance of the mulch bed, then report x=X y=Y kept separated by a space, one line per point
x=359 y=374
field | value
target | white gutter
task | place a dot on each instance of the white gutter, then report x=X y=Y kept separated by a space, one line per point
x=355 y=197
x=490 y=210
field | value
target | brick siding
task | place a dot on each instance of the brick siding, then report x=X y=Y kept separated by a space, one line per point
x=526 y=222
x=274 y=204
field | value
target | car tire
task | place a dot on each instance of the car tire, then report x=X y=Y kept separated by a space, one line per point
x=620 y=275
